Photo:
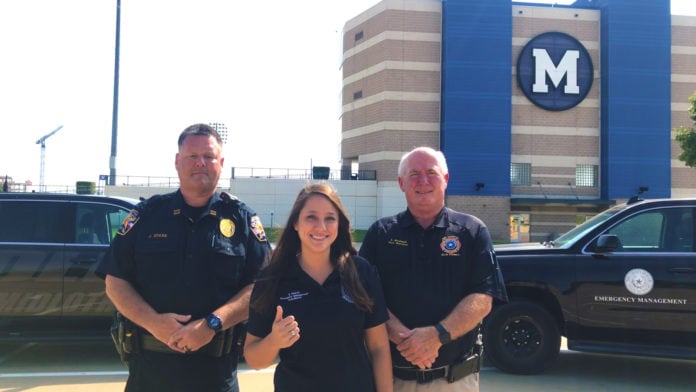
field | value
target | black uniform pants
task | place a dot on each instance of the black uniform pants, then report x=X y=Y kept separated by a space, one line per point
x=154 y=372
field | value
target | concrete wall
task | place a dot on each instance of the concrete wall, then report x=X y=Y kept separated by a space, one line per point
x=272 y=199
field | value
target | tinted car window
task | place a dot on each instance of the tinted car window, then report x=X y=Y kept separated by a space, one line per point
x=97 y=223
x=32 y=221
x=666 y=229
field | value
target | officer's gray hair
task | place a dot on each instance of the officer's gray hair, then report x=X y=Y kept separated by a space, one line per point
x=438 y=155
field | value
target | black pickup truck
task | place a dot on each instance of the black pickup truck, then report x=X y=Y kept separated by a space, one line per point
x=624 y=282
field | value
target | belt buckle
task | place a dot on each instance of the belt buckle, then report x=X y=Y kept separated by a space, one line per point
x=423 y=377
x=426 y=376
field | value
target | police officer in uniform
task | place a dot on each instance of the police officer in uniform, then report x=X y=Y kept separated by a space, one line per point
x=440 y=278
x=181 y=268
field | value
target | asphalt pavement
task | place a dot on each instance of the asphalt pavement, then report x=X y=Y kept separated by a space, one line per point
x=94 y=367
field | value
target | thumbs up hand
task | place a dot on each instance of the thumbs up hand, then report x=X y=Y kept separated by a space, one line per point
x=285 y=331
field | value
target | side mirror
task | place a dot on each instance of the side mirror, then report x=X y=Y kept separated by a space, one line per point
x=607 y=243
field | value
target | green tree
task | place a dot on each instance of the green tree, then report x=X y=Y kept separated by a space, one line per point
x=686 y=137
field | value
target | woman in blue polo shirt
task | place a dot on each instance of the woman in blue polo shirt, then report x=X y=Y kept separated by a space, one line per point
x=319 y=306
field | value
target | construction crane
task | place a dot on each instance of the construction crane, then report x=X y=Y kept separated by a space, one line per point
x=42 y=142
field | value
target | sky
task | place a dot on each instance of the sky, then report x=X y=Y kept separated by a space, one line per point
x=268 y=70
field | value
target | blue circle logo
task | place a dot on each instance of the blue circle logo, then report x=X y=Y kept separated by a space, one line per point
x=554 y=70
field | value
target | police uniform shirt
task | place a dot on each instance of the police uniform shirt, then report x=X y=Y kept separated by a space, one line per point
x=426 y=272
x=187 y=261
x=331 y=354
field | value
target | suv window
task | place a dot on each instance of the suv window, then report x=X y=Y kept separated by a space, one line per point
x=664 y=230
x=31 y=221
x=97 y=223
x=50 y=221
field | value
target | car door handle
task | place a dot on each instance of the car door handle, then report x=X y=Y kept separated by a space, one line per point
x=682 y=270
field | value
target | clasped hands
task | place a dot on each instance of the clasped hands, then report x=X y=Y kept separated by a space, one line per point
x=180 y=334
x=419 y=346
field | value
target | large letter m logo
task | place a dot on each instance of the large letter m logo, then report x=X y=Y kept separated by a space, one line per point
x=554 y=71
x=568 y=66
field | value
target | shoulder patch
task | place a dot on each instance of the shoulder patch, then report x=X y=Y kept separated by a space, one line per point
x=129 y=222
x=257 y=228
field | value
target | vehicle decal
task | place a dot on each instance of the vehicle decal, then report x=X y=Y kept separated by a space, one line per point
x=638 y=281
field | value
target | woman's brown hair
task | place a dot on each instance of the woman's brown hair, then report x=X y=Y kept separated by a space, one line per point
x=289 y=245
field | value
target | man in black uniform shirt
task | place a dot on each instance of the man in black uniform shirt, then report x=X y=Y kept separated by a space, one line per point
x=181 y=268
x=439 y=276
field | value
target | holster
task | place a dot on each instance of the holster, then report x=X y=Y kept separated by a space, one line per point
x=463 y=368
x=126 y=337
x=469 y=364
x=238 y=337
x=130 y=340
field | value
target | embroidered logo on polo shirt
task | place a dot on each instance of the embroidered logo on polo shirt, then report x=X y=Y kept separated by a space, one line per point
x=450 y=244
x=293 y=296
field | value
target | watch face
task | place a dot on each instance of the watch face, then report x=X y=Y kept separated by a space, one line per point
x=214 y=322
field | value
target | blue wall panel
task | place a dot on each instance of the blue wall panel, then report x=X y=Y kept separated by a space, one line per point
x=476 y=95
x=636 y=96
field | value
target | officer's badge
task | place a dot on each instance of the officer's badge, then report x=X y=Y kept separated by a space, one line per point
x=257 y=228
x=129 y=222
x=227 y=227
x=450 y=244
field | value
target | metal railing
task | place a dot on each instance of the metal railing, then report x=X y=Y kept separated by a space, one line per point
x=316 y=173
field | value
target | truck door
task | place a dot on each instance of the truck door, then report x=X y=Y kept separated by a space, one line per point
x=647 y=284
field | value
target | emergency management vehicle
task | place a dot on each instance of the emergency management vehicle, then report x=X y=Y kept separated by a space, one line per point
x=50 y=246
x=624 y=282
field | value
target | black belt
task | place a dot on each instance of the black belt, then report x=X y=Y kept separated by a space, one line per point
x=458 y=370
x=215 y=347
x=421 y=376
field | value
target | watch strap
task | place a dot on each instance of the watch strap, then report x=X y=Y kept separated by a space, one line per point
x=443 y=333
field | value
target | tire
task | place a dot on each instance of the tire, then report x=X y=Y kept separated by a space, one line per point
x=521 y=338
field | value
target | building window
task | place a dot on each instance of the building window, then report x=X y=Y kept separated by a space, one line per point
x=521 y=174
x=358 y=36
x=357 y=95
x=586 y=175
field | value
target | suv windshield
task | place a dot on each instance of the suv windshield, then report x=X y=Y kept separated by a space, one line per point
x=569 y=238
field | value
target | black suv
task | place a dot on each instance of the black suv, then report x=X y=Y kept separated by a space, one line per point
x=624 y=282
x=50 y=246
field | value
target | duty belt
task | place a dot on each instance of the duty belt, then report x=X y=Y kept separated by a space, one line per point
x=468 y=364
x=421 y=376
x=215 y=348
x=452 y=373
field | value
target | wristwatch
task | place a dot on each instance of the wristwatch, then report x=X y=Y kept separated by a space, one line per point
x=214 y=322
x=444 y=334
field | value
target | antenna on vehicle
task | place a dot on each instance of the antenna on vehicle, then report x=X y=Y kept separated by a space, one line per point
x=636 y=198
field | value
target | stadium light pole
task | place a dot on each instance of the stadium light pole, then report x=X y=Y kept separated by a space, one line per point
x=114 y=117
